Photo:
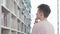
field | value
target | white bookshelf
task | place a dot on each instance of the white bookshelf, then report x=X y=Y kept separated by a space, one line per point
x=13 y=20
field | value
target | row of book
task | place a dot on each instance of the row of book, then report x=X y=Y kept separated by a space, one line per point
x=5 y=31
x=5 y=20
x=9 y=20
x=13 y=6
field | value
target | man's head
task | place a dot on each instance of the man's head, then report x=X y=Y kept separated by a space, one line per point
x=43 y=11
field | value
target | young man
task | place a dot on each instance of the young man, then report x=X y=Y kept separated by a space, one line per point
x=43 y=26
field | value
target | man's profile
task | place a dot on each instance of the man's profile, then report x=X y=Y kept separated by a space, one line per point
x=43 y=26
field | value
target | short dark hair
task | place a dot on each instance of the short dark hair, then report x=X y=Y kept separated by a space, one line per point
x=45 y=8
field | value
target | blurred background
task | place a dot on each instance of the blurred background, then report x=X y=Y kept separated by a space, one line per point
x=18 y=16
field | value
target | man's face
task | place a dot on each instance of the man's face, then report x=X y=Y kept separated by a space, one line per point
x=39 y=14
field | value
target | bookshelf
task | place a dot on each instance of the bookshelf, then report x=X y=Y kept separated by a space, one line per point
x=13 y=19
x=13 y=22
x=5 y=16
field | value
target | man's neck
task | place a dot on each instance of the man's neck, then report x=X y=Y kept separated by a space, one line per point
x=44 y=19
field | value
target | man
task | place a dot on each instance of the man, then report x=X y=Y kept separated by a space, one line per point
x=43 y=26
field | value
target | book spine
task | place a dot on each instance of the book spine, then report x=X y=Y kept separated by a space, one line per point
x=5 y=20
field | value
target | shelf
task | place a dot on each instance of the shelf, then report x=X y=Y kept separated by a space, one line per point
x=8 y=4
x=15 y=8
x=14 y=22
x=8 y=9
x=17 y=2
x=4 y=27
x=5 y=17
x=4 y=2
x=13 y=13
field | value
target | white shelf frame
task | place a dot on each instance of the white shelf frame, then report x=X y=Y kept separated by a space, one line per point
x=17 y=17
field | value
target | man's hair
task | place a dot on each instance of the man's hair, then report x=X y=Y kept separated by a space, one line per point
x=45 y=8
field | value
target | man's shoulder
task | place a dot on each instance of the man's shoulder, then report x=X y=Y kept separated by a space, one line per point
x=43 y=24
x=38 y=24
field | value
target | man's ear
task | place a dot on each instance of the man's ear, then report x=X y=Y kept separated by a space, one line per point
x=41 y=15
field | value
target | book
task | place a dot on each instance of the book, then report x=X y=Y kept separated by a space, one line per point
x=8 y=19
x=13 y=22
x=4 y=31
x=18 y=33
x=5 y=20
x=13 y=32
x=19 y=25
